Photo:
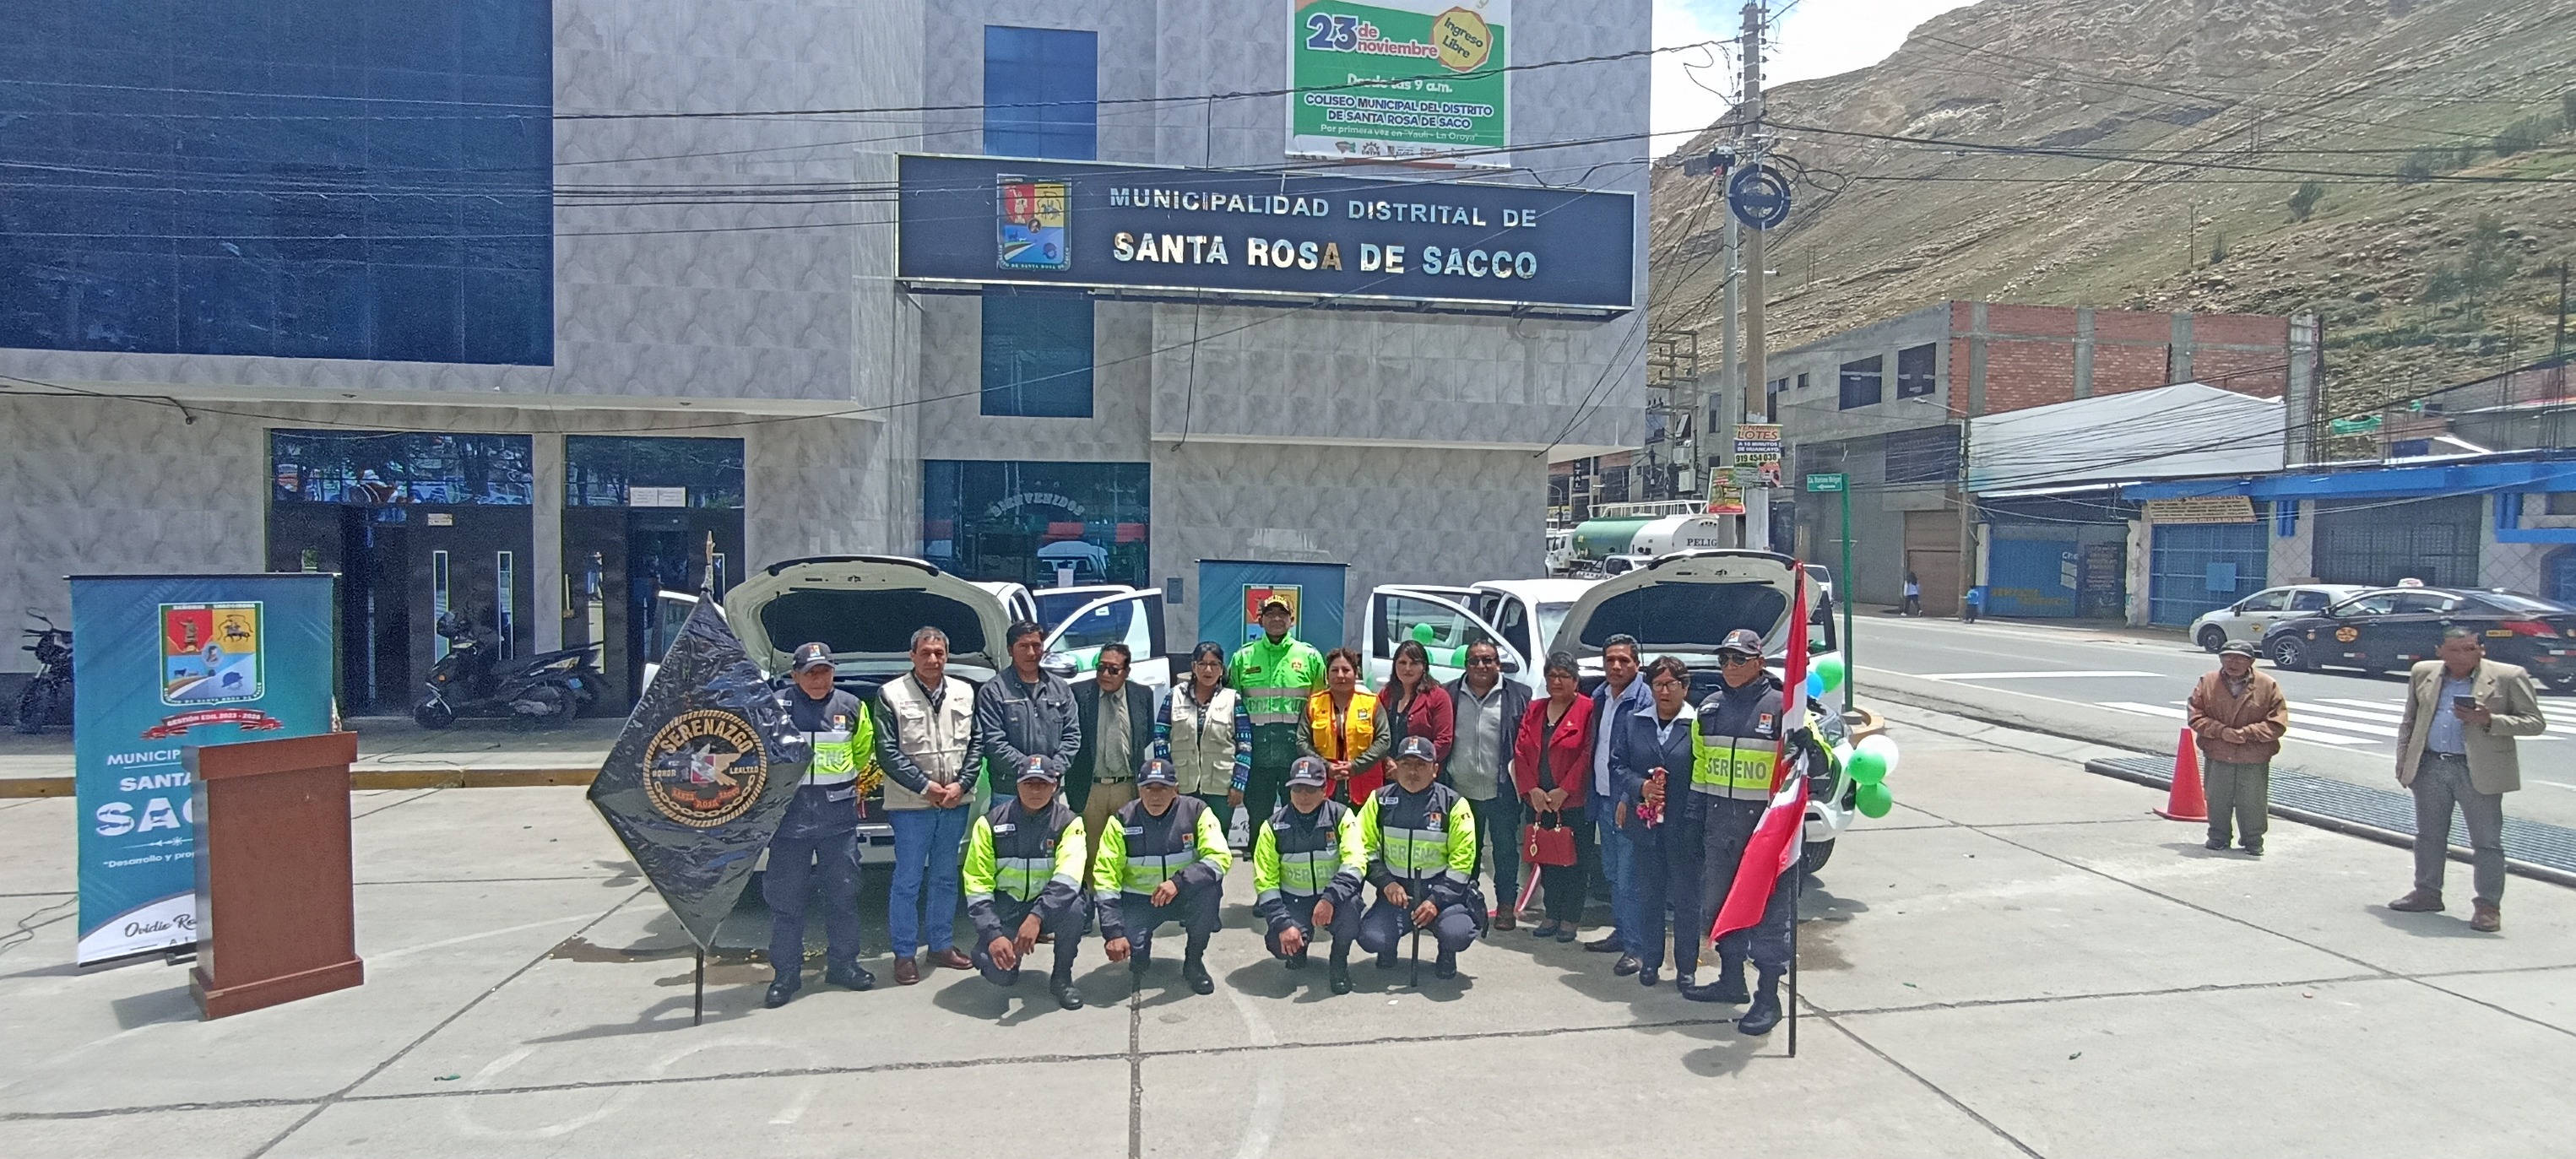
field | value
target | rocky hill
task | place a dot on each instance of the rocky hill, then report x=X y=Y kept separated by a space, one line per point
x=2404 y=168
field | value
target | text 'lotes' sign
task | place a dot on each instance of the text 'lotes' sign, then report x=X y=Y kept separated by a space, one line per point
x=1213 y=232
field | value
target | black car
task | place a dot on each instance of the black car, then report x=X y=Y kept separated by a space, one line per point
x=2389 y=629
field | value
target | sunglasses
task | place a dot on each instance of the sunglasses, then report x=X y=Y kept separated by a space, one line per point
x=1114 y=669
x=1737 y=658
x=1480 y=660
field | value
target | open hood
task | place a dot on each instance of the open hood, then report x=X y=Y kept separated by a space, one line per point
x=1686 y=603
x=865 y=608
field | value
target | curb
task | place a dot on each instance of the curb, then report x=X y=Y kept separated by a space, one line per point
x=448 y=778
x=2337 y=824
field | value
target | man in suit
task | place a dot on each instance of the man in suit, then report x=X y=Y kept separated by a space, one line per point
x=2455 y=746
x=1489 y=710
x=1117 y=721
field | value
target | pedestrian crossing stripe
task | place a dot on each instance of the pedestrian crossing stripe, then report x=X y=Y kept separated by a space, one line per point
x=2340 y=721
x=2396 y=708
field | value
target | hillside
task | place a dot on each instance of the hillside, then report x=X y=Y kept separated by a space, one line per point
x=2160 y=146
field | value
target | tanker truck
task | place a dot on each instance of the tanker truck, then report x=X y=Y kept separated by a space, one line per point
x=1597 y=540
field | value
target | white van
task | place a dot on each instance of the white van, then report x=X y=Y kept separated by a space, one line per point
x=1521 y=616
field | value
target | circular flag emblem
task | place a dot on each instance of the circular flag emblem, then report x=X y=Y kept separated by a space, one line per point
x=705 y=768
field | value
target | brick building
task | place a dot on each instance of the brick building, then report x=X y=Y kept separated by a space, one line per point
x=1885 y=403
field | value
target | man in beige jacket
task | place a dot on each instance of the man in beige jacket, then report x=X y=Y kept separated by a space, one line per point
x=2455 y=746
x=2239 y=715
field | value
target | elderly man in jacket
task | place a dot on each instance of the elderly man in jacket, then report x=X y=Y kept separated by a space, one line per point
x=1487 y=711
x=2455 y=746
x=2238 y=715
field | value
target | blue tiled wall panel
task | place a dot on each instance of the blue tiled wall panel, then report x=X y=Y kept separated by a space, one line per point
x=295 y=178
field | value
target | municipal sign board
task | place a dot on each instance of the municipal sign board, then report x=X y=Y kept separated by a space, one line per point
x=1759 y=195
x=1835 y=481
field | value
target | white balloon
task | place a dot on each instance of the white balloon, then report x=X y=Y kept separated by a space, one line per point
x=1884 y=747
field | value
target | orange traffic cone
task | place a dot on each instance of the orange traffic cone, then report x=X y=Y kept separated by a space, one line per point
x=2185 y=802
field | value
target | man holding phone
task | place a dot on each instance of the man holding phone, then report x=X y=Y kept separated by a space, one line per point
x=2456 y=747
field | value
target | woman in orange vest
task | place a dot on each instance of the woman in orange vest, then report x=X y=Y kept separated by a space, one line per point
x=1343 y=730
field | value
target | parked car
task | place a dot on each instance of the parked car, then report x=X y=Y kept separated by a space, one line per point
x=2389 y=629
x=2252 y=617
x=1520 y=616
x=1016 y=598
x=1056 y=605
x=1681 y=605
x=1623 y=564
x=866 y=608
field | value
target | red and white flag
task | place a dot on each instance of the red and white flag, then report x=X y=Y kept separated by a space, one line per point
x=1780 y=837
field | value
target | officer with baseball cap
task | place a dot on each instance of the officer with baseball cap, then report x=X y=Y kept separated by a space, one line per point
x=1023 y=878
x=1162 y=856
x=1308 y=861
x=819 y=839
x=1421 y=839
x=1273 y=673
x=1735 y=748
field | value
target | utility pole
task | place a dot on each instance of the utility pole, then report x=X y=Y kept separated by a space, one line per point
x=1756 y=376
x=2558 y=346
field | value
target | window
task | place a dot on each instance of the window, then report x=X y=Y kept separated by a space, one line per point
x=990 y=520
x=2309 y=600
x=1802 y=382
x=1860 y=383
x=399 y=468
x=1930 y=455
x=1443 y=631
x=1041 y=93
x=1037 y=354
x=2378 y=604
x=1914 y=367
x=2562 y=503
x=2270 y=601
x=615 y=471
x=2422 y=603
x=289 y=180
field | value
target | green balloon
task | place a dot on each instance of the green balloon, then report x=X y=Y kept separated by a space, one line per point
x=1875 y=800
x=1868 y=766
x=1831 y=668
x=1422 y=634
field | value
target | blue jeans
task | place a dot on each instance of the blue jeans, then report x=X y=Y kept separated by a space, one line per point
x=929 y=849
x=1618 y=862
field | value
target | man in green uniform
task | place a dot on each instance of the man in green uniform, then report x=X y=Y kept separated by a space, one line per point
x=1162 y=856
x=1275 y=674
x=1023 y=878
x=1421 y=839
x=1308 y=861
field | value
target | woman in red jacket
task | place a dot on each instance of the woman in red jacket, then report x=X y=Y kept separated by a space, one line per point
x=1412 y=704
x=1551 y=767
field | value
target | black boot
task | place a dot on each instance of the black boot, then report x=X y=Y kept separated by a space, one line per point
x=1730 y=982
x=1137 y=961
x=1447 y=967
x=779 y=992
x=853 y=977
x=1340 y=969
x=1194 y=966
x=1060 y=984
x=1765 y=1011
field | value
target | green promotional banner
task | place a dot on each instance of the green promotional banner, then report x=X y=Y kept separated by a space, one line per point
x=161 y=664
x=1400 y=80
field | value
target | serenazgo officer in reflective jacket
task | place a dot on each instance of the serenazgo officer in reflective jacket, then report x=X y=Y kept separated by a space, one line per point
x=1734 y=748
x=1308 y=861
x=818 y=841
x=1023 y=878
x=1162 y=856
x=1421 y=839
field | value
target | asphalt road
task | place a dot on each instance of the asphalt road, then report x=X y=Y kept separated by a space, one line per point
x=2121 y=689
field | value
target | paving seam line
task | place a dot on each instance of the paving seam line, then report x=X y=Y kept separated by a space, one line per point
x=2103 y=767
x=1938 y=1092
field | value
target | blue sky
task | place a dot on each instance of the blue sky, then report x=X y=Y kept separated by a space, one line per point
x=1814 y=38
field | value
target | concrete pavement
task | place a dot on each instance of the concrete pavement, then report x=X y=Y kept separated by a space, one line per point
x=2017 y=961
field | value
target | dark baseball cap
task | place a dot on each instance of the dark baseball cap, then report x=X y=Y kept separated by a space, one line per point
x=1039 y=769
x=2239 y=648
x=1311 y=772
x=1417 y=748
x=809 y=655
x=1158 y=772
x=1741 y=640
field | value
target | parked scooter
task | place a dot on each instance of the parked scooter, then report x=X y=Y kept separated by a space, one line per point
x=47 y=698
x=548 y=689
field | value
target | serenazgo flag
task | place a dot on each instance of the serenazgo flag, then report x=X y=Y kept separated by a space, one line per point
x=702 y=773
x=1780 y=837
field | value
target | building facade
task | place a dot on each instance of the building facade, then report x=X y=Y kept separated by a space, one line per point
x=1888 y=404
x=507 y=308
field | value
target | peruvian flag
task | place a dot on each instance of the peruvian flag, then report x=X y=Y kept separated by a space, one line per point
x=1780 y=836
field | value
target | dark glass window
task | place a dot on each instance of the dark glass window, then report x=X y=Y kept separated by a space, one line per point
x=606 y=470
x=1037 y=354
x=1041 y=93
x=1860 y=382
x=988 y=520
x=1914 y=370
x=1930 y=455
x=291 y=178
x=400 y=468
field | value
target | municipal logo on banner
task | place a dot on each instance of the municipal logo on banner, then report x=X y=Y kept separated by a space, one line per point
x=1036 y=224
x=702 y=774
x=210 y=653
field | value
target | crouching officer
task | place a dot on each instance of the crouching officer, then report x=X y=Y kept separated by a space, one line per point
x=1421 y=839
x=1162 y=856
x=819 y=838
x=1307 y=864
x=1023 y=878
x=1735 y=745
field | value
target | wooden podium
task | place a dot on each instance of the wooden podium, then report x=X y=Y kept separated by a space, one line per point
x=276 y=918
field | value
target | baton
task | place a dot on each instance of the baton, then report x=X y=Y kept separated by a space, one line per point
x=1417 y=934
